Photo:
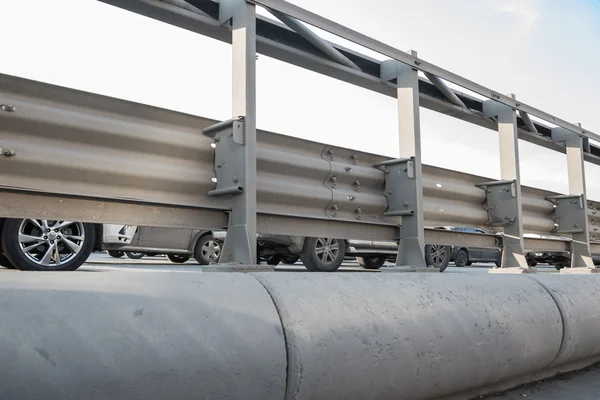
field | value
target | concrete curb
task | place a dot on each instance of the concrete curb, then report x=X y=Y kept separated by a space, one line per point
x=118 y=336
x=290 y=336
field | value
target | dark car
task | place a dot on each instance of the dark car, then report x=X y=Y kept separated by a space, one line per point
x=465 y=256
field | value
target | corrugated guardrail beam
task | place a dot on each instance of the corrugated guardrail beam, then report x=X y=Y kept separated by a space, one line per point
x=123 y=162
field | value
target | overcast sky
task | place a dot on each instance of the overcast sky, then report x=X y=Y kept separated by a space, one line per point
x=544 y=51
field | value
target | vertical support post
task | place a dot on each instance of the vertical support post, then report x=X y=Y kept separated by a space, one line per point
x=240 y=244
x=412 y=241
x=513 y=255
x=581 y=259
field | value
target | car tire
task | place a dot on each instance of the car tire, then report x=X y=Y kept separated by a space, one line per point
x=462 y=258
x=437 y=256
x=65 y=247
x=531 y=263
x=134 y=255
x=560 y=266
x=371 y=262
x=178 y=258
x=207 y=250
x=323 y=254
x=498 y=263
x=115 y=253
x=5 y=262
x=469 y=263
x=290 y=260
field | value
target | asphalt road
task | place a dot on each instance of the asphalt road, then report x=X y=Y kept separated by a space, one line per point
x=103 y=262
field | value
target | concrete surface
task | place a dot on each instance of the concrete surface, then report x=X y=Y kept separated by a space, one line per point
x=457 y=334
x=123 y=336
x=410 y=336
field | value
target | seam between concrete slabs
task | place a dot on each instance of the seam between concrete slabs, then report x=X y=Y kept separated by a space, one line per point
x=565 y=327
x=288 y=347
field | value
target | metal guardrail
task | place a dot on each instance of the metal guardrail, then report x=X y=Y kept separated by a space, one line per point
x=60 y=141
x=122 y=162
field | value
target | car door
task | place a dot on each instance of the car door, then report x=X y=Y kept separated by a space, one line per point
x=475 y=253
x=487 y=254
x=165 y=238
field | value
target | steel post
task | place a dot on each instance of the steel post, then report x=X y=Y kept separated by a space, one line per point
x=577 y=214
x=412 y=238
x=513 y=255
x=240 y=244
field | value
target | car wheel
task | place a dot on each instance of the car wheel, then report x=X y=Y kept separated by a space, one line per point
x=116 y=254
x=43 y=245
x=207 y=250
x=323 y=254
x=498 y=263
x=178 y=258
x=462 y=258
x=134 y=255
x=469 y=263
x=437 y=256
x=560 y=266
x=371 y=262
x=531 y=263
x=5 y=262
x=290 y=260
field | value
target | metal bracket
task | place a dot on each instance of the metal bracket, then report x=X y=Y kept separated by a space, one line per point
x=227 y=9
x=492 y=108
x=563 y=136
x=399 y=184
x=228 y=139
x=500 y=202
x=569 y=213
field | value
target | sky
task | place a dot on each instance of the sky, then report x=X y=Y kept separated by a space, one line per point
x=544 y=51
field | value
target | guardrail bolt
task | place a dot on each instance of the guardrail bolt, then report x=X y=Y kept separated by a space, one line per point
x=236 y=179
x=348 y=169
x=351 y=198
x=8 y=108
x=357 y=184
x=335 y=207
x=331 y=154
x=354 y=158
x=406 y=204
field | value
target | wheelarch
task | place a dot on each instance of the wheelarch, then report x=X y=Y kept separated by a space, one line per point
x=197 y=237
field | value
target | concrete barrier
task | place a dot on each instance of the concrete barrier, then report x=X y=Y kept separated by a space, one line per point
x=578 y=299
x=124 y=336
x=289 y=336
x=359 y=336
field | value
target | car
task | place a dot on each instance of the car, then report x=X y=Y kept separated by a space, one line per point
x=178 y=244
x=463 y=256
x=328 y=254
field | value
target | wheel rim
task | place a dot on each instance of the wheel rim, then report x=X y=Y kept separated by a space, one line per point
x=327 y=250
x=438 y=254
x=210 y=250
x=50 y=243
x=462 y=258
